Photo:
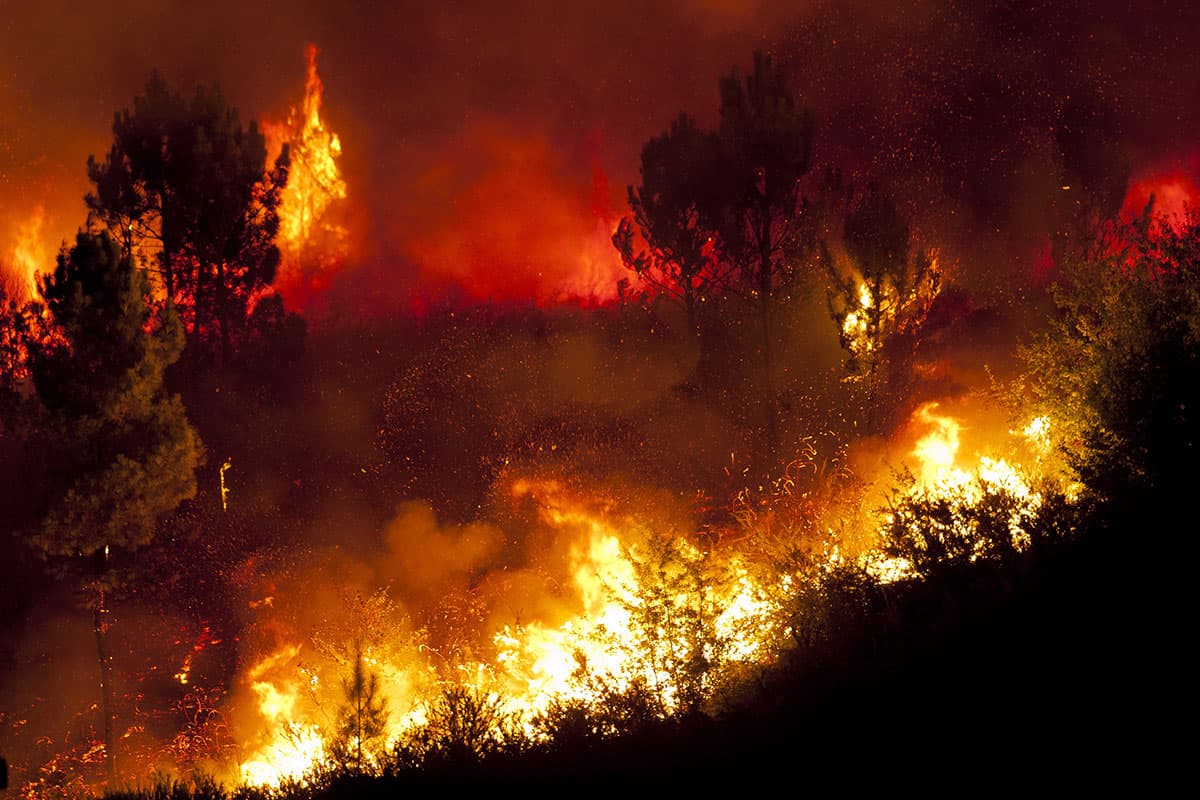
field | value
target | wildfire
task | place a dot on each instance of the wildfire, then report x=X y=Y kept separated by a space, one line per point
x=937 y=450
x=309 y=240
x=655 y=613
x=959 y=491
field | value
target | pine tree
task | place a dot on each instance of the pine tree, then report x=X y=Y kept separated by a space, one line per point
x=362 y=721
x=184 y=186
x=880 y=296
x=124 y=454
x=673 y=210
x=766 y=231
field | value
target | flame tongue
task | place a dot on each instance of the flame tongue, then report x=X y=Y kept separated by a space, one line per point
x=309 y=240
x=29 y=255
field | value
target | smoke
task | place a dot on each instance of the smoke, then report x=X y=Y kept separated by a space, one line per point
x=502 y=217
x=424 y=561
x=474 y=136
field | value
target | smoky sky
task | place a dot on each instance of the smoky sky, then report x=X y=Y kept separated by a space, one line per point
x=974 y=114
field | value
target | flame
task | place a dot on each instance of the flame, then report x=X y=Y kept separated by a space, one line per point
x=937 y=450
x=638 y=608
x=309 y=240
x=29 y=255
x=854 y=327
x=645 y=611
x=609 y=644
x=957 y=487
x=503 y=218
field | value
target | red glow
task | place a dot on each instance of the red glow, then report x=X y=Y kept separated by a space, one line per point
x=506 y=221
x=1041 y=272
x=1174 y=190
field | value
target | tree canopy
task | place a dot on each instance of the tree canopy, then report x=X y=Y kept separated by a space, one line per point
x=726 y=208
x=766 y=149
x=124 y=451
x=674 y=210
x=184 y=187
x=880 y=294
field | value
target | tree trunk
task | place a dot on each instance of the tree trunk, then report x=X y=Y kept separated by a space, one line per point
x=100 y=627
x=222 y=320
x=689 y=305
x=764 y=309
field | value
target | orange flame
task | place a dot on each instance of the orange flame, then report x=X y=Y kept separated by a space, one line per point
x=310 y=241
x=29 y=255
x=624 y=598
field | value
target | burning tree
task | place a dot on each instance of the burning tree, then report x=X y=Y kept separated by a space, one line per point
x=183 y=187
x=309 y=237
x=880 y=295
x=673 y=210
x=464 y=726
x=124 y=452
x=15 y=325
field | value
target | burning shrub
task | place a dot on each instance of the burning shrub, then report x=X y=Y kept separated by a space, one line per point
x=992 y=514
x=464 y=726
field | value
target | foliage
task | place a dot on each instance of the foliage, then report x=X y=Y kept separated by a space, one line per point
x=765 y=143
x=464 y=726
x=880 y=294
x=357 y=742
x=183 y=186
x=680 y=647
x=1116 y=370
x=991 y=515
x=765 y=230
x=673 y=210
x=610 y=711
x=16 y=323
x=724 y=210
x=125 y=452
